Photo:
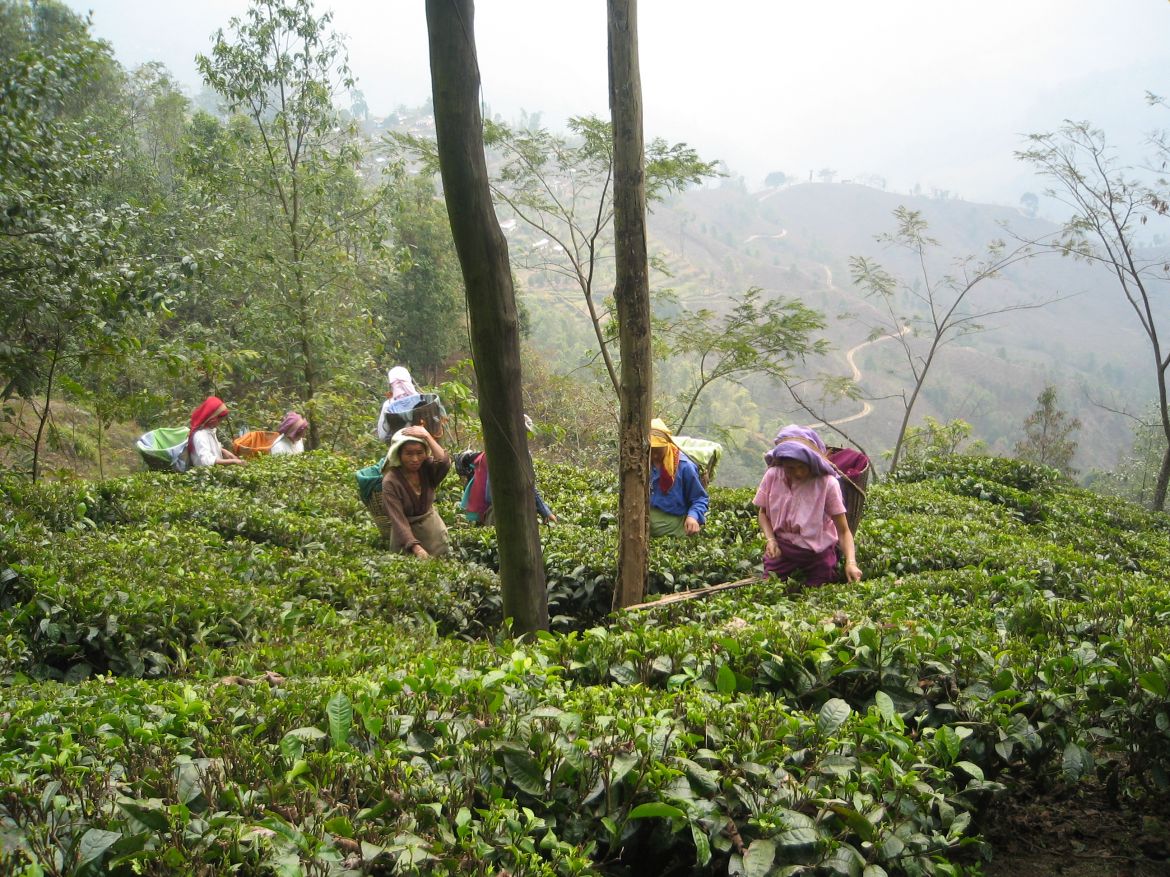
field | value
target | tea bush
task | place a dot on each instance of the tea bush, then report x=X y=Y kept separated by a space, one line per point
x=223 y=672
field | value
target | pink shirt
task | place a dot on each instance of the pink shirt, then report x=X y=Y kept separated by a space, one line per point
x=801 y=513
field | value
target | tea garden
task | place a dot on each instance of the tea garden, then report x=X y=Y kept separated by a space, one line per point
x=222 y=673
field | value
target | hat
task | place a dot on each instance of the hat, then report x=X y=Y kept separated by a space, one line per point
x=660 y=435
x=399 y=439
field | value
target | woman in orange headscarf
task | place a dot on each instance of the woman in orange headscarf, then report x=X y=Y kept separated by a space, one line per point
x=203 y=447
x=678 y=500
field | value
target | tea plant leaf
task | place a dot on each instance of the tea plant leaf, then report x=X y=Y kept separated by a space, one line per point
x=832 y=716
x=758 y=858
x=971 y=769
x=340 y=712
x=658 y=810
x=1077 y=762
x=885 y=706
x=798 y=838
x=525 y=772
x=149 y=818
x=845 y=861
x=702 y=845
x=94 y=843
x=725 y=680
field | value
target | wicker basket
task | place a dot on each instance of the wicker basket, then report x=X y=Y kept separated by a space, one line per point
x=853 y=484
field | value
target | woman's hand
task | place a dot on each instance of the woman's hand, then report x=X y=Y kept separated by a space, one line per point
x=691 y=525
x=852 y=572
x=416 y=431
x=771 y=549
x=417 y=549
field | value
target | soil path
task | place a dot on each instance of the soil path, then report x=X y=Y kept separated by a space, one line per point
x=866 y=407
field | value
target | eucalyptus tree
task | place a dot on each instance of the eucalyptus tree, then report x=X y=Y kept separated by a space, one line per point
x=491 y=301
x=1116 y=209
x=294 y=176
x=632 y=297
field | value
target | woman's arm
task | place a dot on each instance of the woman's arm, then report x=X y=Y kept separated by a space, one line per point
x=227 y=457
x=437 y=452
x=845 y=536
x=771 y=549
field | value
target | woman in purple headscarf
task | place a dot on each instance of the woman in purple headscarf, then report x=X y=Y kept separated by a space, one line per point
x=292 y=435
x=802 y=512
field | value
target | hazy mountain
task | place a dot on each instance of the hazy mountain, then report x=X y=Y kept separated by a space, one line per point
x=796 y=241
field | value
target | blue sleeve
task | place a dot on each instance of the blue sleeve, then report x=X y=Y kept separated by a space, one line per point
x=541 y=506
x=694 y=493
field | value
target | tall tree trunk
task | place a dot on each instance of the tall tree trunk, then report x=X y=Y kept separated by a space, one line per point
x=491 y=306
x=44 y=415
x=632 y=295
x=1159 y=501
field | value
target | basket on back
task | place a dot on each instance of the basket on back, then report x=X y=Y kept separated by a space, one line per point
x=421 y=409
x=164 y=448
x=853 y=469
x=254 y=443
x=705 y=454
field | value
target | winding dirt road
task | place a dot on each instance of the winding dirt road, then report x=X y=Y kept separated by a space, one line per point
x=866 y=407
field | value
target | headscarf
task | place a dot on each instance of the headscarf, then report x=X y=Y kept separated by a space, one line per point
x=292 y=424
x=660 y=437
x=400 y=382
x=397 y=440
x=211 y=407
x=803 y=445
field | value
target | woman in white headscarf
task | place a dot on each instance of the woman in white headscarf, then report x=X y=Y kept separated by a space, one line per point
x=401 y=386
x=413 y=468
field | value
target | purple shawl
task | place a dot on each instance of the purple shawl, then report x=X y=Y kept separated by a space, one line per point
x=797 y=443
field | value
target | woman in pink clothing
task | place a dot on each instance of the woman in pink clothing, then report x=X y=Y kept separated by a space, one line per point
x=802 y=512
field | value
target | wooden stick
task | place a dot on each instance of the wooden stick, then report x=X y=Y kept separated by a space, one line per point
x=695 y=592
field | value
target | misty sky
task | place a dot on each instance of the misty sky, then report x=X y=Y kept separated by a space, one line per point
x=933 y=92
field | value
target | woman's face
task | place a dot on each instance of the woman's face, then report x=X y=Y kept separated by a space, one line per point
x=412 y=455
x=657 y=455
x=795 y=470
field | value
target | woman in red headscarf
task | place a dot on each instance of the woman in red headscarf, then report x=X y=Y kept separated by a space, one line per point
x=203 y=447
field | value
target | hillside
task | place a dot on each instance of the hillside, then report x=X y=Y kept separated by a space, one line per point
x=223 y=672
x=796 y=241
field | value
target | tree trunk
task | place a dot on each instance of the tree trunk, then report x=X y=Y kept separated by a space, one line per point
x=491 y=305
x=44 y=415
x=632 y=295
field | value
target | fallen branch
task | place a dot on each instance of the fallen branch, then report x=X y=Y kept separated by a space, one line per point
x=695 y=593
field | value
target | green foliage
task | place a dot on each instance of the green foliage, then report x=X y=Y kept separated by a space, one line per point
x=756 y=337
x=273 y=692
x=1047 y=434
x=1135 y=474
x=425 y=309
x=934 y=439
x=74 y=271
x=303 y=241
